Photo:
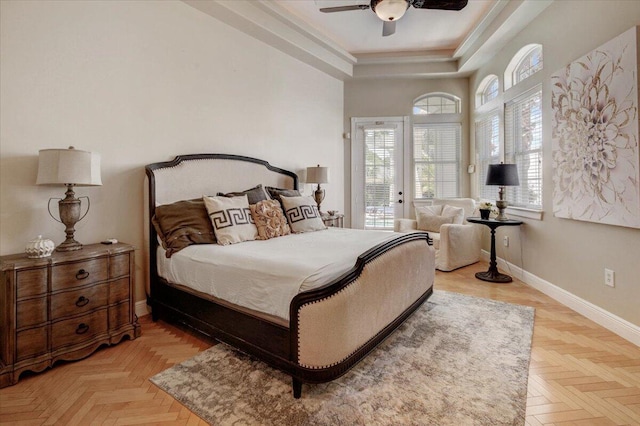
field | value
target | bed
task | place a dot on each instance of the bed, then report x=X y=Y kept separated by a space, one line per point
x=327 y=326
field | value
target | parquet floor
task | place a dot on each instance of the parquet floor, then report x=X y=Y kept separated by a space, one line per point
x=580 y=373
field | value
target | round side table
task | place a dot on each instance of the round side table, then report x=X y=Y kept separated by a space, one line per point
x=492 y=275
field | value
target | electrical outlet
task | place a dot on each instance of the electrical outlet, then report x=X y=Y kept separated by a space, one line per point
x=609 y=278
x=505 y=241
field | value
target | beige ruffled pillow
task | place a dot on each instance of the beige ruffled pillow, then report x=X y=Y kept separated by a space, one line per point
x=231 y=219
x=269 y=219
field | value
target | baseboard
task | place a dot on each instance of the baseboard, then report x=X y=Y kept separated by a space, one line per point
x=606 y=319
x=142 y=308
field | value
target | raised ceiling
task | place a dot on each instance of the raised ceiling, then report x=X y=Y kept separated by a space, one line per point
x=427 y=43
x=418 y=31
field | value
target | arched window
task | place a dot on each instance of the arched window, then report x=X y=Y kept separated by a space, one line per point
x=487 y=90
x=524 y=64
x=436 y=103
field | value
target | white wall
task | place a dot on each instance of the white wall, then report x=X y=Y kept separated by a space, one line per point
x=571 y=254
x=141 y=82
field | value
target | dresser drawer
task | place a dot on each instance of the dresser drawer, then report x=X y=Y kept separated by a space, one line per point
x=78 y=301
x=119 y=290
x=78 y=273
x=119 y=266
x=78 y=330
x=31 y=312
x=119 y=315
x=31 y=343
x=31 y=282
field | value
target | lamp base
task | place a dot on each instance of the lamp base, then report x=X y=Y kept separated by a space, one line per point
x=69 y=245
x=501 y=205
x=318 y=195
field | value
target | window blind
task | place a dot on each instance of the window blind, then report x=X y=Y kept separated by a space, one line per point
x=436 y=157
x=379 y=145
x=523 y=146
x=488 y=152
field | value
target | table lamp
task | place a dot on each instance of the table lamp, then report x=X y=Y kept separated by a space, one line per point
x=502 y=175
x=318 y=175
x=70 y=167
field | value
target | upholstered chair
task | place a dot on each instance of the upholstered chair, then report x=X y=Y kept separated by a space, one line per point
x=456 y=244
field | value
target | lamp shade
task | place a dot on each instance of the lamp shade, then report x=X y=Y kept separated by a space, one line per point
x=68 y=166
x=502 y=175
x=317 y=174
x=389 y=10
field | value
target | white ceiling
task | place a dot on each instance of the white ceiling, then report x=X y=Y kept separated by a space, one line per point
x=419 y=30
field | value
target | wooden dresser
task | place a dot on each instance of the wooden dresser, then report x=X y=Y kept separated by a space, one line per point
x=64 y=307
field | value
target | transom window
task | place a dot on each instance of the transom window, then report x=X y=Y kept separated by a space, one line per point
x=529 y=65
x=490 y=91
x=523 y=65
x=436 y=103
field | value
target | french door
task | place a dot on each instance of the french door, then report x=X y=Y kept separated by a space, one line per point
x=377 y=172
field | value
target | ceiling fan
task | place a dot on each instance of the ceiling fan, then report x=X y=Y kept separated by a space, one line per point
x=392 y=10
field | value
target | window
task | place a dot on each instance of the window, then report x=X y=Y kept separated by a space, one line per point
x=436 y=103
x=487 y=151
x=523 y=65
x=523 y=146
x=488 y=90
x=528 y=65
x=436 y=159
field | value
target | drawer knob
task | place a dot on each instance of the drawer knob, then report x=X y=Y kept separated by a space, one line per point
x=82 y=274
x=82 y=301
x=82 y=328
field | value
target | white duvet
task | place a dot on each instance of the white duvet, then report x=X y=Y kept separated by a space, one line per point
x=266 y=275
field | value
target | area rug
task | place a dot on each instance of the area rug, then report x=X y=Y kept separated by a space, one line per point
x=458 y=360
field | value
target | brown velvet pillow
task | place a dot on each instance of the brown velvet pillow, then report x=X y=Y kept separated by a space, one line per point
x=183 y=223
x=255 y=194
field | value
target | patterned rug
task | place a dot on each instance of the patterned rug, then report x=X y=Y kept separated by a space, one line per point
x=458 y=360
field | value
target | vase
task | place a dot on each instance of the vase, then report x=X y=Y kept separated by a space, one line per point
x=40 y=247
x=484 y=214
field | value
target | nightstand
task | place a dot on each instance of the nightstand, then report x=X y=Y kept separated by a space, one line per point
x=335 y=221
x=64 y=307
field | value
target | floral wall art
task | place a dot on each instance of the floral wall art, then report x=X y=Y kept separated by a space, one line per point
x=596 y=158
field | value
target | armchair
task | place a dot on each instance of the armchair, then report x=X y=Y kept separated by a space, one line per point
x=456 y=245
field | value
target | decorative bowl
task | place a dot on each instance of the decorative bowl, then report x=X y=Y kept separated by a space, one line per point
x=40 y=247
x=332 y=212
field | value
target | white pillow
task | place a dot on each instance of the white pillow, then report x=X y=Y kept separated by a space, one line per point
x=457 y=213
x=302 y=214
x=231 y=219
x=430 y=210
x=431 y=223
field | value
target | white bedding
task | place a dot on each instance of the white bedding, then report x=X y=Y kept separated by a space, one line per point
x=266 y=275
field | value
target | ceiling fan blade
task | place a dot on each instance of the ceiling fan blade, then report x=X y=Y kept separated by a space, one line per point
x=344 y=8
x=439 y=4
x=388 y=28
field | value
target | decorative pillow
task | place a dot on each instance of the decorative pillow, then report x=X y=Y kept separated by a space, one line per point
x=181 y=224
x=431 y=223
x=456 y=212
x=302 y=214
x=231 y=219
x=269 y=219
x=431 y=210
x=276 y=193
x=255 y=194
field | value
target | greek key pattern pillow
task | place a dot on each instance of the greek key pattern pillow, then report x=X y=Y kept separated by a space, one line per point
x=231 y=219
x=302 y=214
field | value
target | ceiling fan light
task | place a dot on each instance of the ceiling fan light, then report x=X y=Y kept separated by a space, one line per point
x=389 y=10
